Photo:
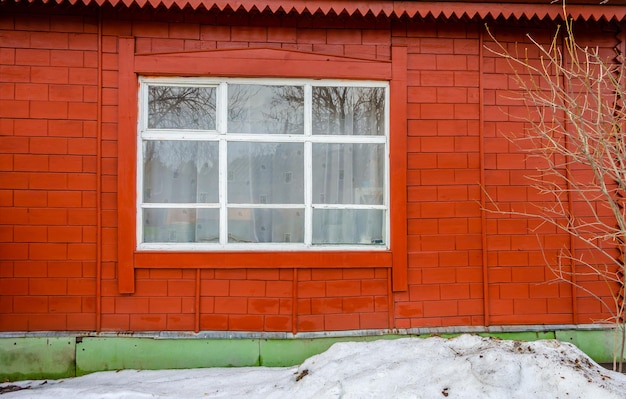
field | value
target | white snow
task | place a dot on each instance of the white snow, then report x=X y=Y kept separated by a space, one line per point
x=464 y=367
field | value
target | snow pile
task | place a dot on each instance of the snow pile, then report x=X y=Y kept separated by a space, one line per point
x=463 y=367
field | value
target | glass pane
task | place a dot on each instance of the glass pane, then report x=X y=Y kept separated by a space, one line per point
x=180 y=225
x=349 y=110
x=265 y=109
x=348 y=226
x=348 y=174
x=180 y=172
x=180 y=107
x=264 y=173
x=265 y=225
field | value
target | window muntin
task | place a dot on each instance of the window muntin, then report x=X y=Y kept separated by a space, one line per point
x=272 y=164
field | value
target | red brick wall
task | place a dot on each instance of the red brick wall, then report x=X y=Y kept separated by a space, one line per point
x=48 y=86
x=58 y=185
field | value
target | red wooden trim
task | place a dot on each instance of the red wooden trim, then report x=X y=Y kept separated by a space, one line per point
x=483 y=184
x=257 y=62
x=281 y=260
x=126 y=165
x=294 y=303
x=197 y=301
x=398 y=167
x=517 y=9
x=99 y=232
x=253 y=62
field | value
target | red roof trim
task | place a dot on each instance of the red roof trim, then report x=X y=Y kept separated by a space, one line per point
x=411 y=9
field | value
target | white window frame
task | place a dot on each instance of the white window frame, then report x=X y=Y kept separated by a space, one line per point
x=220 y=135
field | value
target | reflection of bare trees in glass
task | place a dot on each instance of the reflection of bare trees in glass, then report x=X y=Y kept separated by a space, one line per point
x=265 y=109
x=349 y=110
x=181 y=107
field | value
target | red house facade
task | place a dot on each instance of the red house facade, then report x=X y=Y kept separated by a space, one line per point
x=274 y=167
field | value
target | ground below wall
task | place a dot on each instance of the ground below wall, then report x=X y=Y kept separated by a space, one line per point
x=54 y=356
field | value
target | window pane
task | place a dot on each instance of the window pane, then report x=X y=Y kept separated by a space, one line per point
x=348 y=173
x=265 y=225
x=349 y=111
x=180 y=225
x=348 y=226
x=180 y=172
x=180 y=107
x=265 y=109
x=265 y=173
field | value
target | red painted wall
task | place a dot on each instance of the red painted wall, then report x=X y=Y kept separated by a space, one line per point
x=59 y=130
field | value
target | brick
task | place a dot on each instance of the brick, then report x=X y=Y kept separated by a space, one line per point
x=214 y=322
x=455 y=291
x=180 y=322
x=409 y=309
x=65 y=128
x=245 y=322
x=374 y=287
x=30 y=269
x=115 y=322
x=65 y=93
x=64 y=269
x=311 y=289
x=374 y=320
x=25 y=56
x=64 y=304
x=449 y=62
x=81 y=251
x=83 y=41
x=247 y=288
x=49 y=322
x=440 y=275
x=334 y=322
x=13 y=109
x=14 y=286
x=43 y=251
x=231 y=305
x=277 y=323
x=47 y=286
x=7 y=91
x=326 y=305
x=48 y=145
x=214 y=287
x=165 y=305
x=31 y=127
x=343 y=288
x=310 y=323
x=425 y=292
x=441 y=308
x=132 y=305
x=30 y=234
x=27 y=91
x=66 y=58
x=262 y=274
x=46 y=74
x=15 y=74
x=30 y=198
x=263 y=305
x=153 y=322
x=81 y=321
x=358 y=304
x=227 y=274
x=280 y=289
x=82 y=110
x=47 y=181
x=35 y=163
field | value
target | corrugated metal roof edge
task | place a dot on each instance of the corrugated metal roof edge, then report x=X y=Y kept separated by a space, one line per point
x=412 y=9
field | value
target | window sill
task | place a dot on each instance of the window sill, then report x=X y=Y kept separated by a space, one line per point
x=264 y=259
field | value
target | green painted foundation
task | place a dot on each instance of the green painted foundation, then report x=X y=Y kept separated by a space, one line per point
x=56 y=357
x=37 y=358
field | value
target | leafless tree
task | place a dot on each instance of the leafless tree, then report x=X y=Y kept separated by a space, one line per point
x=576 y=120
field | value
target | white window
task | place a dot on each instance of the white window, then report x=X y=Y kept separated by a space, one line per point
x=262 y=164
